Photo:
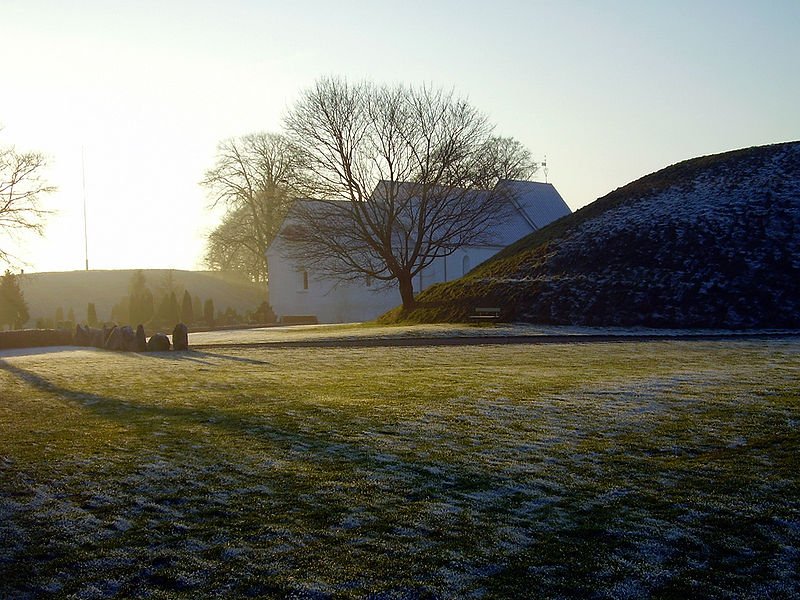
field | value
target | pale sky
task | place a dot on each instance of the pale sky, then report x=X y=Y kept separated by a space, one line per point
x=608 y=90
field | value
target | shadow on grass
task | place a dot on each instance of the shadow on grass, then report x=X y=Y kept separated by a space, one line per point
x=130 y=412
x=320 y=443
x=145 y=413
x=199 y=356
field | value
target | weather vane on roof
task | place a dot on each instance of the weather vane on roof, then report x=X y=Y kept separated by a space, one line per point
x=544 y=168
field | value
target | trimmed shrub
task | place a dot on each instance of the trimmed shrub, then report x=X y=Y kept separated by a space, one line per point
x=33 y=338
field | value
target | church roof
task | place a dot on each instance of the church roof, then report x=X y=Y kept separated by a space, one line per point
x=536 y=205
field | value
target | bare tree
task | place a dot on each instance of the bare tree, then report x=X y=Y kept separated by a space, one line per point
x=255 y=176
x=235 y=246
x=402 y=175
x=21 y=188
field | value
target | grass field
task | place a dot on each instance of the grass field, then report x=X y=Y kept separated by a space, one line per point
x=622 y=470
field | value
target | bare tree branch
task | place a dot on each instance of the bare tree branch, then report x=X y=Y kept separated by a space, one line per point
x=254 y=177
x=22 y=185
x=407 y=176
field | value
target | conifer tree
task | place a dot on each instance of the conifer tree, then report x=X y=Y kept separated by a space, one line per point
x=168 y=313
x=140 y=299
x=187 y=310
x=59 y=315
x=147 y=307
x=197 y=307
x=208 y=312
x=121 y=311
x=91 y=315
x=173 y=310
x=13 y=308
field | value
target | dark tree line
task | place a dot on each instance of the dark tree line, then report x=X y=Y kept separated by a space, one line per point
x=142 y=306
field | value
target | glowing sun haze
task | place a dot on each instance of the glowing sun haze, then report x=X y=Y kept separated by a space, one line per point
x=608 y=90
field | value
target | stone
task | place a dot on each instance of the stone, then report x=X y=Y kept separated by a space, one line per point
x=97 y=337
x=82 y=337
x=158 y=342
x=180 y=337
x=128 y=338
x=141 y=340
x=114 y=339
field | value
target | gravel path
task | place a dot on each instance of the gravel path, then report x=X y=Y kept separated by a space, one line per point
x=446 y=335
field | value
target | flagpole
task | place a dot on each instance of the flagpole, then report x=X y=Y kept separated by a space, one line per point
x=85 y=229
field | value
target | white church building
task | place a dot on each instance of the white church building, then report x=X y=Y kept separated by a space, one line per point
x=298 y=293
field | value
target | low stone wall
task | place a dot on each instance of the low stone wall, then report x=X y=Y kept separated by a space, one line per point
x=32 y=338
x=123 y=338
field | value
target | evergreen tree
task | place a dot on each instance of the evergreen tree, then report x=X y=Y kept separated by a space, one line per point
x=187 y=310
x=231 y=316
x=208 y=312
x=137 y=283
x=42 y=323
x=120 y=312
x=264 y=313
x=160 y=317
x=135 y=308
x=197 y=307
x=140 y=299
x=91 y=315
x=13 y=308
x=167 y=284
x=168 y=313
x=59 y=315
x=146 y=307
x=173 y=310
x=71 y=315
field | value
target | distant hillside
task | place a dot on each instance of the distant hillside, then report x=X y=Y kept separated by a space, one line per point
x=708 y=242
x=44 y=292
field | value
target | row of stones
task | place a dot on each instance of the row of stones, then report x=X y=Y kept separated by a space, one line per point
x=125 y=339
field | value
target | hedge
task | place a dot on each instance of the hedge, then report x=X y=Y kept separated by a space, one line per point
x=32 y=338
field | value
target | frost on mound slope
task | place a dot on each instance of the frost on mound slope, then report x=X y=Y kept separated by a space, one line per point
x=711 y=242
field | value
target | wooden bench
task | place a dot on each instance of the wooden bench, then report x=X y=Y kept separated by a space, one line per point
x=486 y=314
x=299 y=320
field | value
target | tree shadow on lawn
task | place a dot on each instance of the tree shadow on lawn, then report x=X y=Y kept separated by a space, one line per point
x=574 y=539
x=131 y=412
x=13 y=352
x=201 y=357
x=141 y=415
x=316 y=445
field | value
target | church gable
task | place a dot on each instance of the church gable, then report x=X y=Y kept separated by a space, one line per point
x=534 y=206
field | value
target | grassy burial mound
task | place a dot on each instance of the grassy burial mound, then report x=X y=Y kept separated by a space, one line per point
x=709 y=242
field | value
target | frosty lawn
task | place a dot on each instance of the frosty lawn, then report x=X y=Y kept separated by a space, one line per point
x=668 y=468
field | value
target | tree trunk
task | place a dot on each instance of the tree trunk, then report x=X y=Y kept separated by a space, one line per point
x=406 y=290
